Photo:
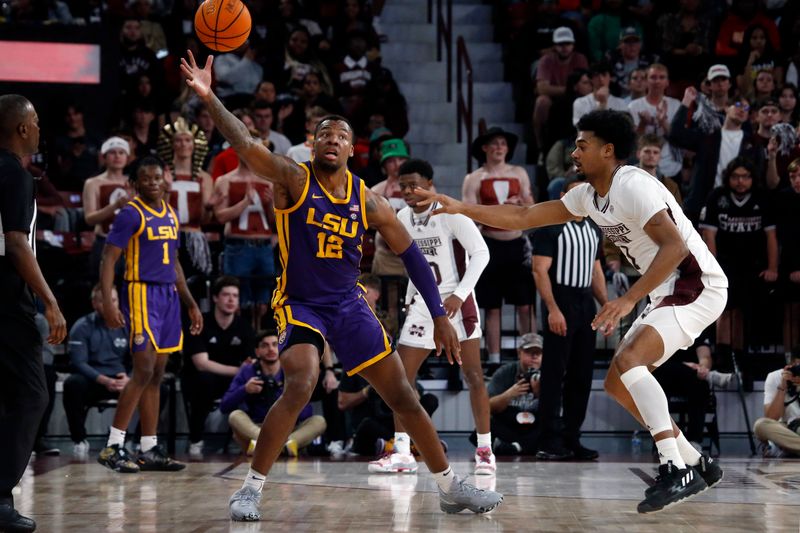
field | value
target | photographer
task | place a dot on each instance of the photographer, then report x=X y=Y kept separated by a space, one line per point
x=781 y=422
x=253 y=392
x=514 y=399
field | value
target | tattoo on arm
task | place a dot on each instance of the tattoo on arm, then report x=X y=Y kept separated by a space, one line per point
x=233 y=129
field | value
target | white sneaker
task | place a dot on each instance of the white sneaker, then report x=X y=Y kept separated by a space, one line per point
x=196 y=450
x=80 y=450
x=484 y=462
x=395 y=463
x=336 y=448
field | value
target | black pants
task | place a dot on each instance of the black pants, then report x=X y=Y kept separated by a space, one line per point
x=334 y=417
x=567 y=366
x=79 y=393
x=201 y=389
x=51 y=378
x=373 y=427
x=23 y=396
x=678 y=379
x=504 y=426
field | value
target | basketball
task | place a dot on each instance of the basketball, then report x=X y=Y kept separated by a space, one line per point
x=222 y=25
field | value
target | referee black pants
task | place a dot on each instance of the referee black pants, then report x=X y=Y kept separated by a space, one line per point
x=567 y=366
x=23 y=396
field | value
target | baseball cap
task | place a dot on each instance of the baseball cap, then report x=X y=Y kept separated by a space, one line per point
x=393 y=148
x=531 y=340
x=563 y=35
x=377 y=133
x=715 y=71
x=630 y=32
x=115 y=142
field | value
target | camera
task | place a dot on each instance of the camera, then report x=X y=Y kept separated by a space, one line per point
x=531 y=373
x=795 y=370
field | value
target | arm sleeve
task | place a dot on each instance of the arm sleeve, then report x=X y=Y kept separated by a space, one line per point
x=16 y=194
x=544 y=241
x=771 y=386
x=126 y=223
x=79 y=350
x=466 y=233
x=575 y=202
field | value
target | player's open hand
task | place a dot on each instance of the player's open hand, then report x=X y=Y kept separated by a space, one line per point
x=445 y=337
x=196 y=318
x=444 y=202
x=197 y=78
x=610 y=314
x=113 y=316
x=57 y=323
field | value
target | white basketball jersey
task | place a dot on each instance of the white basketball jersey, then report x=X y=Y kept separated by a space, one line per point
x=449 y=243
x=635 y=196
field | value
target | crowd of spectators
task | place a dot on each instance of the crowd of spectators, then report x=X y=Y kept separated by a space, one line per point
x=711 y=88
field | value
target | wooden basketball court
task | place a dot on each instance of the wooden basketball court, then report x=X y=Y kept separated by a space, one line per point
x=324 y=495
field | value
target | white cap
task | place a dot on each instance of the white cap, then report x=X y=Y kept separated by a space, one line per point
x=715 y=71
x=563 y=35
x=115 y=142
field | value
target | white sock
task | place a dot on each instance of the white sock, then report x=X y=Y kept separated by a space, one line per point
x=254 y=480
x=689 y=453
x=445 y=479
x=148 y=443
x=668 y=451
x=115 y=436
x=494 y=357
x=485 y=440
x=649 y=398
x=402 y=443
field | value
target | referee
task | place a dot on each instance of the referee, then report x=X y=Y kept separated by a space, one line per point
x=566 y=268
x=23 y=389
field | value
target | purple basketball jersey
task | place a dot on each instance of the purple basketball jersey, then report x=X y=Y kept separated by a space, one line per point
x=320 y=241
x=150 y=241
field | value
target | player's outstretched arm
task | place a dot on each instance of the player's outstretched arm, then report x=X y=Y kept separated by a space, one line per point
x=381 y=216
x=510 y=217
x=275 y=168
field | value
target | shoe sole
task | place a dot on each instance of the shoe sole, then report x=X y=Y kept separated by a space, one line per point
x=455 y=508
x=118 y=469
x=247 y=518
x=715 y=483
x=394 y=471
x=676 y=502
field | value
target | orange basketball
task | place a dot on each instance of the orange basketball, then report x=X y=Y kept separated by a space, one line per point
x=222 y=25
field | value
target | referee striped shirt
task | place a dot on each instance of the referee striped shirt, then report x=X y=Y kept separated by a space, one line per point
x=574 y=247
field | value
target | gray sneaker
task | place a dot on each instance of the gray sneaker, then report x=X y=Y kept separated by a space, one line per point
x=243 y=505
x=720 y=380
x=462 y=496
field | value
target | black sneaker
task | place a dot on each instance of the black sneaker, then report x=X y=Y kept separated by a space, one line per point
x=554 y=453
x=584 y=454
x=13 y=522
x=672 y=486
x=709 y=470
x=41 y=447
x=118 y=459
x=156 y=458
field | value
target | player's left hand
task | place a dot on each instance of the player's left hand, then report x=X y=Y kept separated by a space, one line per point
x=452 y=305
x=197 y=78
x=446 y=204
x=58 y=325
x=445 y=337
x=197 y=320
x=610 y=315
x=770 y=276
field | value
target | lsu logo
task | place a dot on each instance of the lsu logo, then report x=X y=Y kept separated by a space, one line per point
x=165 y=233
x=282 y=337
x=138 y=340
x=333 y=223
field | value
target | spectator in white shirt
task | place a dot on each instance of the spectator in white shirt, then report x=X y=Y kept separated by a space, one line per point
x=777 y=430
x=600 y=97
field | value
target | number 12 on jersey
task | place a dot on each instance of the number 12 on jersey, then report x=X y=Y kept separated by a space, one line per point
x=330 y=246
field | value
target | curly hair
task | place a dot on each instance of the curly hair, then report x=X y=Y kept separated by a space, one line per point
x=613 y=127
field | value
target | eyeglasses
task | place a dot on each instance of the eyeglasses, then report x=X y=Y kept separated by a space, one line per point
x=742 y=105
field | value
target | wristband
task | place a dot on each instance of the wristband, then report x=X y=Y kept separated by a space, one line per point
x=419 y=271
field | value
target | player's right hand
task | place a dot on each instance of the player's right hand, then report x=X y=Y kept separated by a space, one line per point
x=446 y=204
x=57 y=323
x=197 y=78
x=445 y=337
x=113 y=316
